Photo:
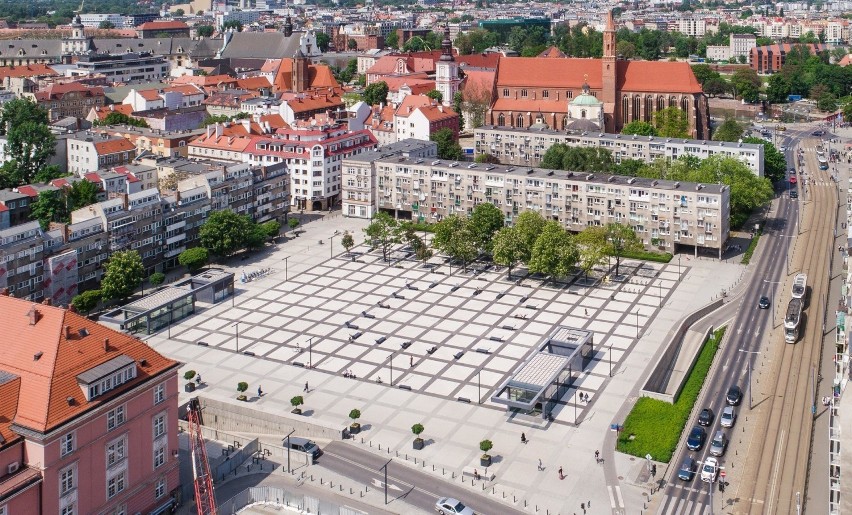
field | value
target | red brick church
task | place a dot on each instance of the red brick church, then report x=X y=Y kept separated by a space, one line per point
x=531 y=88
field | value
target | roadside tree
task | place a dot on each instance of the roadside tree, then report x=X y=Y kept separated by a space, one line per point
x=124 y=273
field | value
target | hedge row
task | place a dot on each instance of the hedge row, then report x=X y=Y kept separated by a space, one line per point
x=659 y=257
x=751 y=247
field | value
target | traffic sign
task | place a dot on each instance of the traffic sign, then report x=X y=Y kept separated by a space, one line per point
x=722 y=473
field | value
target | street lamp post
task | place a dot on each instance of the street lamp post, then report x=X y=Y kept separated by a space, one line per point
x=637 y=324
x=331 y=243
x=391 y=368
x=285 y=266
x=479 y=385
x=287 y=438
x=310 y=352
x=237 y=326
x=748 y=364
x=610 y=360
x=660 y=284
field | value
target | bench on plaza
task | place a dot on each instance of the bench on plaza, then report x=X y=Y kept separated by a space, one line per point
x=433 y=285
x=355 y=336
x=483 y=350
x=495 y=338
x=475 y=473
x=367 y=315
x=458 y=354
x=350 y=325
x=411 y=287
x=405 y=345
x=477 y=291
x=398 y=296
x=501 y=295
x=509 y=327
x=523 y=299
x=531 y=306
x=454 y=288
x=381 y=340
x=432 y=349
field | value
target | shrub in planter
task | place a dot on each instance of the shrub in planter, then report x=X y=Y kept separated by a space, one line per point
x=189 y=386
x=296 y=402
x=485 y=459
x=417 y=429
x=355 y=427
x=242 y=386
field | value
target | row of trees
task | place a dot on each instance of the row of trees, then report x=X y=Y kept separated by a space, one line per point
x=744 y=83
x=811 y=76
x=671 y=122
x=225 y=232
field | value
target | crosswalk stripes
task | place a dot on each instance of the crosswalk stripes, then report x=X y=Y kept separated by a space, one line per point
x=675 y=505
x=616 y=501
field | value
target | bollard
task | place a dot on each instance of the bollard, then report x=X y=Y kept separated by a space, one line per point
x=341 y=487
x=433 y=467
x=462 y=479
x=331 y=484
x=525 y=503
x=380 y=447
x=514 y=499
x=321 y=481
x=415 y=459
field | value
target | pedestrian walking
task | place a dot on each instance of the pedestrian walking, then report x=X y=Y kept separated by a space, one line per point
x=259 y=392
x=561 y=475
x=597 y=456
x=306 y=386
x=583 y=507
x=589 y=504
x=586 y=310
x=523 y=438
x=411 y=361
x=540 y=466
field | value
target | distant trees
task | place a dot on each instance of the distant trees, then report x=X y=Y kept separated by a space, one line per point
x=578 y=159
x=232 y=24
x=226 y=232
x=729 y=130
x=639 y=128
x=323 y=41
x=448 y=146
x=376 y=93
x=57 y=205
x=435 y=95
x=392 y=40
x=382 y=231
x=117 y=118
x=672 y=122
x=106 y=24
x=205 y=31
x=351 y=44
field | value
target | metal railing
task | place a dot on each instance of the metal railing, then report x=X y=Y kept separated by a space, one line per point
x=275 y=496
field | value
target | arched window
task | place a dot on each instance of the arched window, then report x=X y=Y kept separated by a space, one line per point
x=672 y=102
x=684 y=105
x=625 y=110
x=649 y=108
x=583 y=113
x=661 y=103
x=501 y=120
x=564 y=122
x=519 y=121
x=637 y=107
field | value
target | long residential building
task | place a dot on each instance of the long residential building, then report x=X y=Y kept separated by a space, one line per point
x=526 y=147
x=666 y=215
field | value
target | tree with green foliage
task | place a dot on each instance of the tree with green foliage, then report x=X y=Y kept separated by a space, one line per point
x=578 y=159
x=703 y=73
x=486 y=158
x=376 y=93
x=232 y=24
x=194 y=259
x=81 y=194
x=225 y=232
x=778 y=89
x=672 y=122
x=827 y=102
x=592 y=247
x=528 y=226
x=351 y=44
x=729 y=130
x=382 y=231
x=620 y=239
x=774 y=161
x=205 y=31
x=346 y=74
x=455 y=237
x=86 y=301
x=124 y=273
x=49 y=206
x=746 y=84
x=475 y=41
x=347 y=241
x=212 y=119
x=179 y=12
x=392 y=40
x=435 y=95
x=448 y=146
x=106 y=25
x=639 y=128
x=625 y=49
x=628 y=167
x=256 y=236
x=271 y=229
x=292 y=223
x=157 y=278
x=117 y=118
x=847 y=110
x=554 y=252
x=431 y=41
x=507 y=248
x=715 y=87
x=323 y=41
x=485 y=220
x=29 y=144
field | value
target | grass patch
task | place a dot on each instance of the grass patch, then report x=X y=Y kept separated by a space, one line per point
x=642 y=255
x=657 y=425
x=751 y=247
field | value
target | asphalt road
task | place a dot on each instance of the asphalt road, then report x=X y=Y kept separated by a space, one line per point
x=416 y=488
x=748 y=329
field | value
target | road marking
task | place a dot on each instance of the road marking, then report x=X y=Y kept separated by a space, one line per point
x=775 y=472
x=380 y=484
x=620 y=498
x=611 y=497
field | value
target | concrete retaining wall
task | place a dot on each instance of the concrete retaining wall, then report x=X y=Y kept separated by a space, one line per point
x=676 y=382
x=228 y=417
x=658 y=383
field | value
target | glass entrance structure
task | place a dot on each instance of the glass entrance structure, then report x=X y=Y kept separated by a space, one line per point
x=546 y=376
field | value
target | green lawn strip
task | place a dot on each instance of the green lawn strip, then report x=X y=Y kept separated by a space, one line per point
x=751 y=248
x=657 y=425
x=659 y=257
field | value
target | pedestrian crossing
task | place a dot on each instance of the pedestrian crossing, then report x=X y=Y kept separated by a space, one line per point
x=686 y=500
x=616 y=501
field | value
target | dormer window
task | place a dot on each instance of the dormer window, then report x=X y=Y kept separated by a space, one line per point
x=107 y=376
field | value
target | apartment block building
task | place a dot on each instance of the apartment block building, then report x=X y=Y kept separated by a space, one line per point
x=69 y=99
x=526 y=147
x=131 y=66
x=89 y=151
x=89 y=418
x=666 y=215
x=155 y=141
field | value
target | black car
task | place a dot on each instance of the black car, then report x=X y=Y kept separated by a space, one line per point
x=817 y=133
x=794 y=194
x=705 y=418
x=734 y=396
x=687 y=469
x=696 y=438
x=763 y=303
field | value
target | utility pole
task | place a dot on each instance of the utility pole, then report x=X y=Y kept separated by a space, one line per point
x=748 y=364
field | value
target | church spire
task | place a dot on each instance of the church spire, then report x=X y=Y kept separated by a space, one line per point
x=609 y=36
x=447 y=45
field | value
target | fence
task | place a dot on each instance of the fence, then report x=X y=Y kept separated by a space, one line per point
x=281 y=497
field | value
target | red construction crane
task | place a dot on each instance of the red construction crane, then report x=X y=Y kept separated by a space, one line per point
x=205 y=500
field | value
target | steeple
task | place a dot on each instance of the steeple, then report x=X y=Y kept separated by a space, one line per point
x=608 y=76
x=609 y=36
x=447 y=45
x=288 y=27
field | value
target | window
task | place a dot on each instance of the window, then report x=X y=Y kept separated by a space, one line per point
x=159 y=425
x=66 y=444
x=115 y=418
x=159 y=393
x=68 y=510
x=545 y=94
x=116 y=451
x=115 y=485
x=524 y=93
x=159 y=456
x=121 y=510
x=501 y=120
x=160 y=489
x=66 y=481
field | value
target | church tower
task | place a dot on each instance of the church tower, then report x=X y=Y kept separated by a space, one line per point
x=447 y=70
x=608 y=74
x=300 y=76
x=78 y=43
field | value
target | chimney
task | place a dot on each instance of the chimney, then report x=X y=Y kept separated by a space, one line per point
x=33 y=315
x=68 y=327
x=4 y=292
x=47 y=302
x=72 y=309
x=106 y=344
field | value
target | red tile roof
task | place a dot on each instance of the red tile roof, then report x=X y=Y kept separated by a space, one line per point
x=9 y=392
x=319 y=76
x=113 y=146
x=184 y=89
x=205 y=80
x=149 y=94
x=253 y=83
x=435 y=113
x=102 y=111
x=163 y=25
x=58 y=90
x=30 y=70
x=529 y=105
x=28 y=191
x=47 y=382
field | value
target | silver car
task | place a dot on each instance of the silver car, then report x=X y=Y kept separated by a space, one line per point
x=729 y=416
x=450 y=506
x=718 y=444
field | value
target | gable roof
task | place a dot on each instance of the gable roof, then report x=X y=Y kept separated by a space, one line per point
x=253 y=83
x=261 y=45
x=30 y=70
x=319 y=76
x=163 y=25
x=48 y=381
x=112 y=146
x=101 y=112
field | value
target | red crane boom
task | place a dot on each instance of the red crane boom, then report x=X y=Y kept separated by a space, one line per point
x=205 y=500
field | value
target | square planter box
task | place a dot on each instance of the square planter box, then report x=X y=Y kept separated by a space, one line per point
x=354 y=428
x=418 y=443
x=296 y=411
x=485 y=460
x=242 y=398
x=189 y=387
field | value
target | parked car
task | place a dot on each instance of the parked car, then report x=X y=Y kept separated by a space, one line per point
x=763 y=303
x=710 y=469
x=729 y=417
x=705 y=418
x=696 y=438
x=687 y=469
x=450 y=506
x=817 y=133
x=719 y=443
x=734 y=396
x=794 y=194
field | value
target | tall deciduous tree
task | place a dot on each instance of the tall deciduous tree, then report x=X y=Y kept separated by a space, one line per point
x=29 y=143
x=86 y=301
x=383 y=232
x=193 y=259
x=774 y=162
x=591 y=243
x=485 y=221
x=376 y=93
x=454 y=236
x=528 y=226
x=507 y=248
x=729 y=130
x=448 y=146
x=48 y=207
x=672 y=122
x=225 y=232
x=82 y=193
x=621 y=239
x=124 y=272
x=554 y=253
x=639 y=128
